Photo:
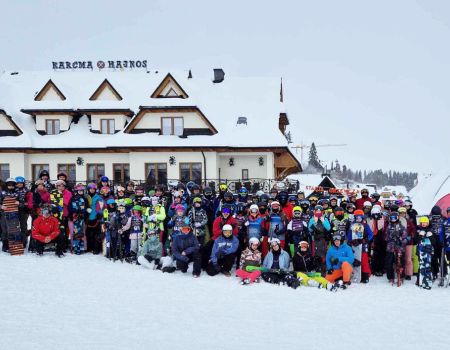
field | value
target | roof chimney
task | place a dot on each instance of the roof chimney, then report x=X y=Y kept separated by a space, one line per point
x=283 y=121
x=219 y=75
x=190 y=74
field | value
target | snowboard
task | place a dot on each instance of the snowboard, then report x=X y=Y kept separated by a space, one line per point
x=11 y=214
x=78 y=234
x=357 y=252
x=425 y=275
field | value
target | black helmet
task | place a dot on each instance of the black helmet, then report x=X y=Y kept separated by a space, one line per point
x=436 y=210
x=283 y=197
x=264 y=198
x=44 y=173
x=207 y=191
x=228 y=196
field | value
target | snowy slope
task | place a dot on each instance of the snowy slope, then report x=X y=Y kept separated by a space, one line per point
x=88 y=302
x=429 y=190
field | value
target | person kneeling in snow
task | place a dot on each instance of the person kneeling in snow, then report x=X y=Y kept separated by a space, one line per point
x=308 y=267
x=339 y=261
x=46 y=230
x=250 y=257
x=223 y=252
x=185 y=249
x=276 y=263
x=151 y=250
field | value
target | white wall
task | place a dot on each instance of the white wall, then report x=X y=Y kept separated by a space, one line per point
x=64 y=122
x=119 y=121
x=51 y=95
x=106 y=95
x=4 y=123
x=16 y=163
x=153 y=120
x=245 y=161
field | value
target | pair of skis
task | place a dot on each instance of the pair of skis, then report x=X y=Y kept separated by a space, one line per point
x=444 y=270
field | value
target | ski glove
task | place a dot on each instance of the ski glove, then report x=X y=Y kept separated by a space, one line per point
x=356 y=263
x=330 y=271
x=334 y=261
x=220 y=254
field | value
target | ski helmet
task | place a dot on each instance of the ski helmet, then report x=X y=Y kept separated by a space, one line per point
x=10 y=181
x=20 y=180
x=228 y=197
x=393 y=217
x=44 y=173
x=137 y=208
x=275 y=241
x=436 y=210
x=225 y=209
x=110 y=201
x=104 y=179
x=283 y=197
x=79 y=187
x=243 y=192
x=264 y=198
x=303 y=244
x=223 y=187
x=252 y=241
x=424 y=220
x=207 y=191
x=227 y=230
x=92 y=186
x=254 y=208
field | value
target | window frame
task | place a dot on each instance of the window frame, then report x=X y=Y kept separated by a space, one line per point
x=122 y=179
x=172 y=126
x=2 y=170
x=53 y=126
x=246 y=177
x=191 y=164
x=108 y=128
x=42 y=166
x=97 y=173
x=157 y=180
x=68 y=165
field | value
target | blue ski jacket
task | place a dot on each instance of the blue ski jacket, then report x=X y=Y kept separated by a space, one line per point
x=341 y=254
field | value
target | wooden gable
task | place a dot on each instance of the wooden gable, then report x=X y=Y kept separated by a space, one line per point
x=50 y=92
x=169 y=88
x=106 y=92
x=7 y=126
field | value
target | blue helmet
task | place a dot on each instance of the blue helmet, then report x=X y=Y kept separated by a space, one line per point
x=20 y=179
x=110 y=201
x=104 y=179
x=243 y=192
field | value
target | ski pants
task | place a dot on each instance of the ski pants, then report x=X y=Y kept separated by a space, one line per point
x=312 y=281
x=224 y=264
x=409 y=260
x=206 y=253
x=379 y=254
x=345 y=272
x=436 y=260
x=59 y=240
x=23 y=220
x=195 y=258
x=252 y=276
x=390 y=261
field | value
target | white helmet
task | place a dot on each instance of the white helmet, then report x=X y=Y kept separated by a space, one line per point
x=227 y=227
x=254 y=207
x=367 y=204
x=376 y=209
x=253 y=240
x=274 y=241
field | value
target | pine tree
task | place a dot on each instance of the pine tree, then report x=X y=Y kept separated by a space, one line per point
x=288 y=137
x=337 y=167
x=314 y=158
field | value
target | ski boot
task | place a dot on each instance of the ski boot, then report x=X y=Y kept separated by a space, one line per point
x=245 y=281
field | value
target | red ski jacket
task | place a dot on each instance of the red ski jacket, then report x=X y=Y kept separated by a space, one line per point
x=218 y=224
x=45 y=227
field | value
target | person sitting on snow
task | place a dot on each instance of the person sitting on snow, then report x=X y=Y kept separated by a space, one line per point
x=276 y=263
x=186 y=249
x=251 y=256
x=339 y=261
x=151 y=250
x=223 y=252
x=46 y=230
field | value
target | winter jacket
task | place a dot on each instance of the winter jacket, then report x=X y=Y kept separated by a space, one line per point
x=77 y=205
x=95 y=206
x=223 y=246
x=154 y=216
x=396 y=237
x=250 y=257
x=255 y=227
x=287 y=210
x=275 y=226
x=304 y=262
x=340 y=254
x=360 y=202
x=45 y=227
x=39 y=198
x=319 y=229
x=198 y=219
x=219 y=222
x=284 y=260
x=297 y=231
x=152 y=247
x=184 y=243
x=23 y=198
x=61 y=200
x=444 y=234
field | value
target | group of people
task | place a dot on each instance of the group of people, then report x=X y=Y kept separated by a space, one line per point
x=281 y=238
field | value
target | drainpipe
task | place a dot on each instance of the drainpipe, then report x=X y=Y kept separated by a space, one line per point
x=204 y=165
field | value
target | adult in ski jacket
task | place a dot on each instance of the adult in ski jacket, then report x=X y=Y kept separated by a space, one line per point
x=185 y=249
x=277 y=258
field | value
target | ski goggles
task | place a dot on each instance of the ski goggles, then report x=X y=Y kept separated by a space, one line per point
x=185 y=229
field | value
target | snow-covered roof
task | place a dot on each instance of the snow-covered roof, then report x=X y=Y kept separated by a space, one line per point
x=257 y=99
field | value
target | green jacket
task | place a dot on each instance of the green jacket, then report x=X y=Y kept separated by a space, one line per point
x=153 y=247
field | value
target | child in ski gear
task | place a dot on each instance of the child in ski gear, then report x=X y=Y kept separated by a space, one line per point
x=77 y=215
x=186 y=249
x=251 y=256
x=46 y=230
x=254 y=224
x=340 y=222
x=396 y=238
x=425 y=252
x=297 y=228
x=410 y=229
x=339 y=261
x=319 y=228
x=151 y=250
x=177 y=221
x=136 y=229
x=223 y=252
x=118 y=224
x=199 y=219
x=275 y=226
x=307 y=266
x=359 y=235
x=276 y=263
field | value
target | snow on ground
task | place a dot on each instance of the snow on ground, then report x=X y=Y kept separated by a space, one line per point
x=88 y=302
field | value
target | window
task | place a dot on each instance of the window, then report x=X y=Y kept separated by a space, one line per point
x=37 y=168
x=4 y=171
x=94 y=171
x=107 y=126
x=121 y=173
x=191 y=172
x=52 y=126
x=244 y=174
x=68 y=169
x=172 y=126
x=156 y=174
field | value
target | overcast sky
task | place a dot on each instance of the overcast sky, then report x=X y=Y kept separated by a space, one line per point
x=372 y=75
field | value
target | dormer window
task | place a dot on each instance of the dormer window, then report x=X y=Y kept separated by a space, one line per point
x=107 y=126
x=172 y=126
x=52 y=126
